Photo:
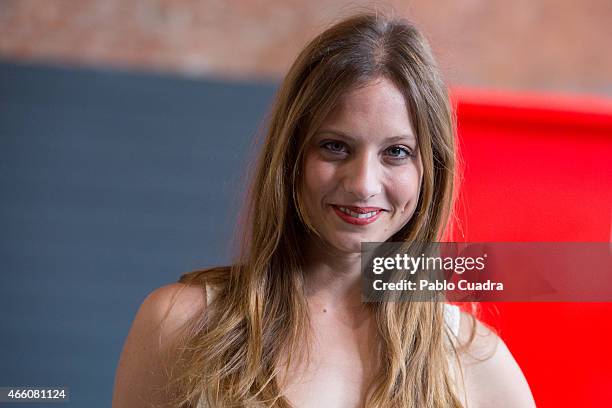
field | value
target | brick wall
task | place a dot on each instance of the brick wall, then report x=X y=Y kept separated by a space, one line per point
x=559 y=45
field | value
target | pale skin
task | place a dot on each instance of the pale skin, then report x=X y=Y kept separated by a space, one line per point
x=364 y=155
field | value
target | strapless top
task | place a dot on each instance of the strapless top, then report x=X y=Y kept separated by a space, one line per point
x=452 y=317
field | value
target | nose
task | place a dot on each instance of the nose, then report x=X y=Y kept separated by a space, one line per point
x=362 y=176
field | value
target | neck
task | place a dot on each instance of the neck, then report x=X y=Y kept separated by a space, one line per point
x=332 y=277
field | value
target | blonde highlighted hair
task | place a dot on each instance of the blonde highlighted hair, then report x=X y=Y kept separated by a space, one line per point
x=235 y=355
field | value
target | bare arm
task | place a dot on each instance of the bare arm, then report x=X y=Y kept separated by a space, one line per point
x=148 y=349
x=492 y=375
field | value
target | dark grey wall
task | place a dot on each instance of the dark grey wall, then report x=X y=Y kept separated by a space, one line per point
x=111 y=184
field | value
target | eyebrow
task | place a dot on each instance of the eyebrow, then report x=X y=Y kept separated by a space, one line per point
x=349 y=137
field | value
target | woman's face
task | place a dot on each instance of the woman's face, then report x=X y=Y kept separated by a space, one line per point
x=362 y=169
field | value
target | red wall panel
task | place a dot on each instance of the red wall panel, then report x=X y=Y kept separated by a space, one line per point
x=539 y=168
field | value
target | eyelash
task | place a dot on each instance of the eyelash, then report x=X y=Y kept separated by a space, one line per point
x=407 y=151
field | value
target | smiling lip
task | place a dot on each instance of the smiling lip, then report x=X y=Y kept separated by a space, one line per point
x=357 y=215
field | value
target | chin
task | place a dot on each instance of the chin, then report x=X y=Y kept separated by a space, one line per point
x=354 y=249
x=350 y=245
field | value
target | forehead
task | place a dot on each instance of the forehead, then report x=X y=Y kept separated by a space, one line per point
x=376 y=109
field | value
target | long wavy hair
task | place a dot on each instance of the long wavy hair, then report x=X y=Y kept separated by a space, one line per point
x=236 y=353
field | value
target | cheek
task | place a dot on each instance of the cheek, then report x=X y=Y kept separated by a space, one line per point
x=318 y=178
x=405 y=190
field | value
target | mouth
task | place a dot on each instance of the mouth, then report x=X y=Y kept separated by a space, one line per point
x=357 y=215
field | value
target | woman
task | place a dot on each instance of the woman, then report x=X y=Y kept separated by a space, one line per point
x=360 y=147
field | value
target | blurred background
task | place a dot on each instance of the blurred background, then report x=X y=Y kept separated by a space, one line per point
x=127 y=129
x=552 y=45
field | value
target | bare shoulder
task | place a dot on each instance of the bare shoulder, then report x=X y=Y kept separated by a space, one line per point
x=174 y=305
x=149 y=347
x=491 y=374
